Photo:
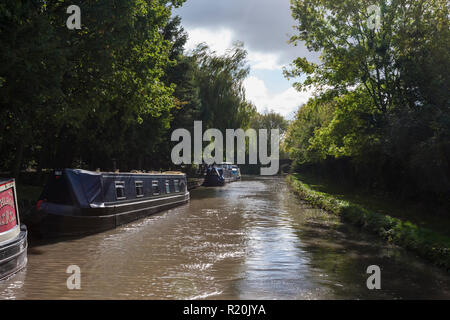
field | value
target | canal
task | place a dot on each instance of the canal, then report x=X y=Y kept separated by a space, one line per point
x=251 y=239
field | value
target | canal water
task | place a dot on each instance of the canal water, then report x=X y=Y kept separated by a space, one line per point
x=251 y=239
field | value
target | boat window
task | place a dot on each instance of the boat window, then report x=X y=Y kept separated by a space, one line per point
x=139 y=189
x=182 y=185
x=167 y=186
x=155 y=187
x=177 y=185
x=120 y=190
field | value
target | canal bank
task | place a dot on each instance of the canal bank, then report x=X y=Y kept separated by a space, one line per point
x=424 y=242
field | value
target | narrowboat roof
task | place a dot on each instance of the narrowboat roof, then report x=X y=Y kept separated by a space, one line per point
x=81 y=171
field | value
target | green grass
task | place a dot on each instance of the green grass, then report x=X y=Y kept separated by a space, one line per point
x=419 y=213
x=425 y=242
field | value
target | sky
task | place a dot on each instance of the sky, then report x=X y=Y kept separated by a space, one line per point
x=265 y=27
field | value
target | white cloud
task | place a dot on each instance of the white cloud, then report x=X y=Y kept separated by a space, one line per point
x=264 y=26
x=264 y=61
x=218 y=40
x=285 y=102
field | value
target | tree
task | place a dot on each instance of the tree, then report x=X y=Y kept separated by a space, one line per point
x=74 y=94
x=220 y=82
x=390 y=83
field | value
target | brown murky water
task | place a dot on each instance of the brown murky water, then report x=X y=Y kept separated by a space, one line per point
x=251 y=239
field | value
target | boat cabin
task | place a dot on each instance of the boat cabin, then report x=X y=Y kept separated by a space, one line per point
x=77 y=201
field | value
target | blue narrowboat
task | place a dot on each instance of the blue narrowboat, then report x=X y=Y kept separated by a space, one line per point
x=77 y=202
x=219 y=174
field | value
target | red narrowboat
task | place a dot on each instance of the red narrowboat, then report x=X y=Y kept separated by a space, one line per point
x=13 y=236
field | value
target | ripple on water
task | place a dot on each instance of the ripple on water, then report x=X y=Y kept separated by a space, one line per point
x=251 y=239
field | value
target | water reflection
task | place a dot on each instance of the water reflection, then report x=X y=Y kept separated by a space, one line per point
x=247 y=240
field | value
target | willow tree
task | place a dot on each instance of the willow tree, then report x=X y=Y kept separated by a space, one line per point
x=220 y=82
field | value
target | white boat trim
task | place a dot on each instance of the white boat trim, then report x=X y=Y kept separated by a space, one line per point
x=140 y=201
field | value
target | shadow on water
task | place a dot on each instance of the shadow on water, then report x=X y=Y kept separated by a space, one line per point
x=34 y=241
x=343 y=252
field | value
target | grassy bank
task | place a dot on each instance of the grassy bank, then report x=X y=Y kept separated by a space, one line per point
x=425 y=242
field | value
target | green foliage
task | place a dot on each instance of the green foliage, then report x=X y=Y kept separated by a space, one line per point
x=269 y=120
x=72 y=93
x=353 y=129
x=108 y=95
x=317 y=113
x=220 y=82
x=387 y=106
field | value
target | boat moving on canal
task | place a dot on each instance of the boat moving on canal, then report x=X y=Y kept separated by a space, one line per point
x=13 y=236
x=78 y=202
x=219 y=174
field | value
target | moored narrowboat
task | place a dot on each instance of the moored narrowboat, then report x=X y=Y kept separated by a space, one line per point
x=79 y=202
x=214 y=177
x=13 y=236
x=219 y=174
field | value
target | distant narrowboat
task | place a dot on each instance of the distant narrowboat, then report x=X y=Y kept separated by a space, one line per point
x=78 y=202
x=214 y=177
x=236 y=172
x=219 y=174
x=13 y=236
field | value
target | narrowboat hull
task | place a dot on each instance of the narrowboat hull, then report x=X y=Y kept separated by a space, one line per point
x=55 y=221
x=13 y=254
x=213 y=181
x=232 y=179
